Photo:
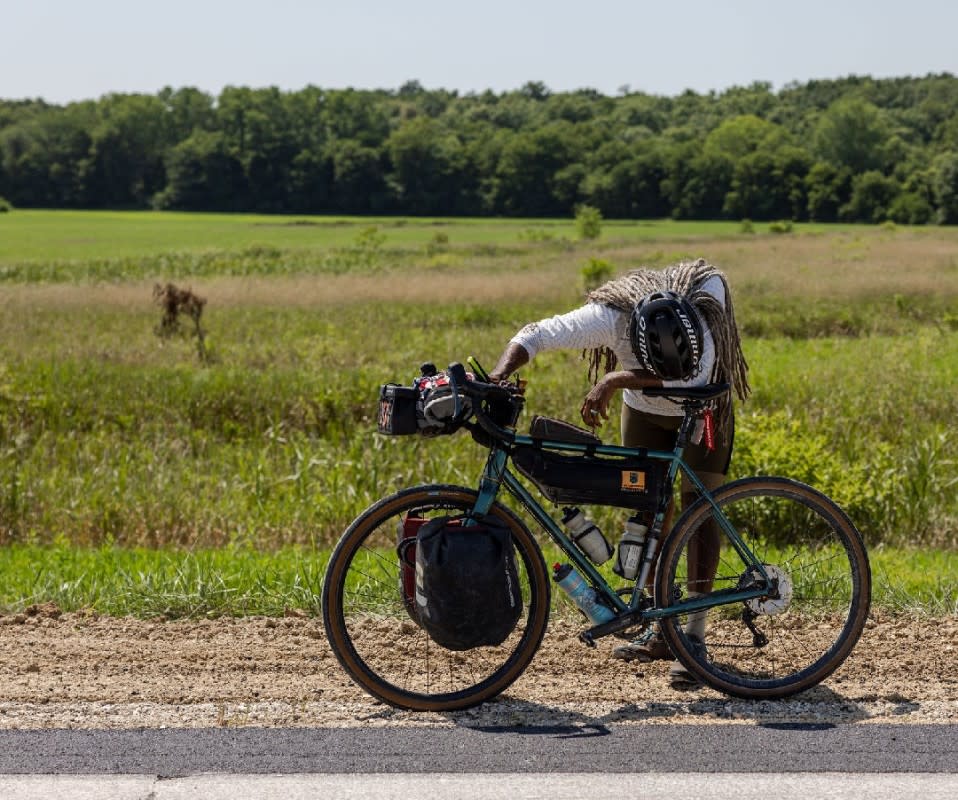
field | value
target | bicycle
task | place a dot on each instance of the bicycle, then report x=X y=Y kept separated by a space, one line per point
x=785 y=609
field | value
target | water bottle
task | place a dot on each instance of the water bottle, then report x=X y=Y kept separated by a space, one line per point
x=587 y=536
x=630 y=549
x=583 y=595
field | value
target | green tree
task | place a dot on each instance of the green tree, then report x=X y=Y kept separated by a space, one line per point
x=740 y=136
x=910 y=208
x=769 y=184
x=872 y=196
x=431 y=173
x=125 y=163
x=310 y=183
x=43 y=158
x=187 y=110
x=359 y=179
x=203 y=175
x=945 y=186
x=828 y=188
x=527 y=168
x=852 y=133
x=696 y=184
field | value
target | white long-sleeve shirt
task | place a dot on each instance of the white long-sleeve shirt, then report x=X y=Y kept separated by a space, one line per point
x=597 y=325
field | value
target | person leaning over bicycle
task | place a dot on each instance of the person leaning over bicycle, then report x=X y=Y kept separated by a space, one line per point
x=670 y=327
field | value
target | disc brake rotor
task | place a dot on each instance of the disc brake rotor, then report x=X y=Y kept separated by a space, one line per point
x=780 y=599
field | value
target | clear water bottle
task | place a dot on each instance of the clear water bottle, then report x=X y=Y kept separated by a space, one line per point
x=630 y=549
x=587 y=536
x=583 y=595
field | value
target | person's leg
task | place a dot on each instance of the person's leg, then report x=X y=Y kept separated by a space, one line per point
x=703 y=552
x=655 y=433
x=704 y=548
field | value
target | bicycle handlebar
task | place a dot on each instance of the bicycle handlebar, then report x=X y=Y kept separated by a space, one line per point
x=482 y=391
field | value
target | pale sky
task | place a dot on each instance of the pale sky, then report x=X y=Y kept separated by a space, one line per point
x=64 y=50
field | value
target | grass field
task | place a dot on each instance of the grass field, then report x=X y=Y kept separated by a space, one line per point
x=43 y=236
x=125 y=454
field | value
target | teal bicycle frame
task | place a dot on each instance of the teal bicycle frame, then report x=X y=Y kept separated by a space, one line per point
x=496 y=475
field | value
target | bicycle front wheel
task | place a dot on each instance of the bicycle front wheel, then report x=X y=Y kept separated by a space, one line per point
x=808 y=623
x=373 y=630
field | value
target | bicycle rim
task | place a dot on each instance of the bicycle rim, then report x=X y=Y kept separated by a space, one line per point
x=378 y=641
x=805 y=628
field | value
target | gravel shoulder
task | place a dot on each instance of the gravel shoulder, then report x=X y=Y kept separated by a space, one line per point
x=86 y=671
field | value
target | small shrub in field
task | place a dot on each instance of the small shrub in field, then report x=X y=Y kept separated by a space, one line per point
x=439 y=243
x=588 y=222
x=536 y=235
x=746 y=226
x=366 y=251
x=782 y=226
x=779 y=444
x=371 y=239
x=5 y=205
x=596 y=272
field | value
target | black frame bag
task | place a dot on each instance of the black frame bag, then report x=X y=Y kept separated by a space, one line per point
x=592 y=480
x=467 y=583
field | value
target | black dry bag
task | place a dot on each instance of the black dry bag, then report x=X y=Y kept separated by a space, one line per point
x=467 y=584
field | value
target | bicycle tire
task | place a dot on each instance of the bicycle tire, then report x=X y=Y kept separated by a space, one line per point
x=384 y=651
x=818 y=558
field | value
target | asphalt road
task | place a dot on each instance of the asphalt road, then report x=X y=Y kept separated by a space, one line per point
x=759 y=749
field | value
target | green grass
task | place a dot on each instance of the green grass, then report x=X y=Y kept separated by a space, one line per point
x=169 y=583
x=915 y=581
x=110 y=434
x=235 y=581
x=76 y=236
x=112 y=437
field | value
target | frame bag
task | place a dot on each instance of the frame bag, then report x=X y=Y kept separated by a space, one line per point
x=467 y=583
x=591 y=480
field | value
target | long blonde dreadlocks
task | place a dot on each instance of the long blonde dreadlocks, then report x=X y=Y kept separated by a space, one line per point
x=686 y=278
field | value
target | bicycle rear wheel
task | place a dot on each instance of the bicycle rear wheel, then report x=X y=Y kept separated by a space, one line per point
x=378 y=641
x=804 y=629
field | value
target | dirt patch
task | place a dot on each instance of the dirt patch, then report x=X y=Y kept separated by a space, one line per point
x=85 y=671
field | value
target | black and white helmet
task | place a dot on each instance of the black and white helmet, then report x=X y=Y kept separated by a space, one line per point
x=666 y=335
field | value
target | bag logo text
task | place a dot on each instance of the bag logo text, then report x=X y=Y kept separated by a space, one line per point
x=633 y=481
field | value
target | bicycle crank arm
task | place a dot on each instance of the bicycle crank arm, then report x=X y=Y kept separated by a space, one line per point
x=628 y=619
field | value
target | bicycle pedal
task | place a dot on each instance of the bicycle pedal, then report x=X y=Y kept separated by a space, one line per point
x=630 y=633
x=586 y=638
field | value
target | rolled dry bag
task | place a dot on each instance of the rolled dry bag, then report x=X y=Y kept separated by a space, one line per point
x=467 y=584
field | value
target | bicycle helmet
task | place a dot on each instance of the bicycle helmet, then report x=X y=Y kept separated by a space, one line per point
x=666 y=336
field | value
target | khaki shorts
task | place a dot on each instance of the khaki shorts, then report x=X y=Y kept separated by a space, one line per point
x=656 y=432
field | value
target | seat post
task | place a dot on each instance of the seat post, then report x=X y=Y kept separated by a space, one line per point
x=690 y=407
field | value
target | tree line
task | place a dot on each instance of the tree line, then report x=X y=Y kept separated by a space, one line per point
x=853 y=149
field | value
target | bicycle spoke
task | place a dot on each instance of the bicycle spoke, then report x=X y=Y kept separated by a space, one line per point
x=818 y=595
x=371 y=622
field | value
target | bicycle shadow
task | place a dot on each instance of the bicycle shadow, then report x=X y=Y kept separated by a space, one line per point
x=819 y=708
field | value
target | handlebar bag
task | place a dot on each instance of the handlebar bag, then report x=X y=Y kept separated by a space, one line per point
x=592 y=480
x=397 y=410
x=467 y=583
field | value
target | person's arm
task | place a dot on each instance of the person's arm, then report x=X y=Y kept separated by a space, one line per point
x=595 y=407
x=590 y=326
x=513 y=357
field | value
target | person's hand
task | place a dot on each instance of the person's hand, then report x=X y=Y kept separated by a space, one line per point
x=595 y=407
